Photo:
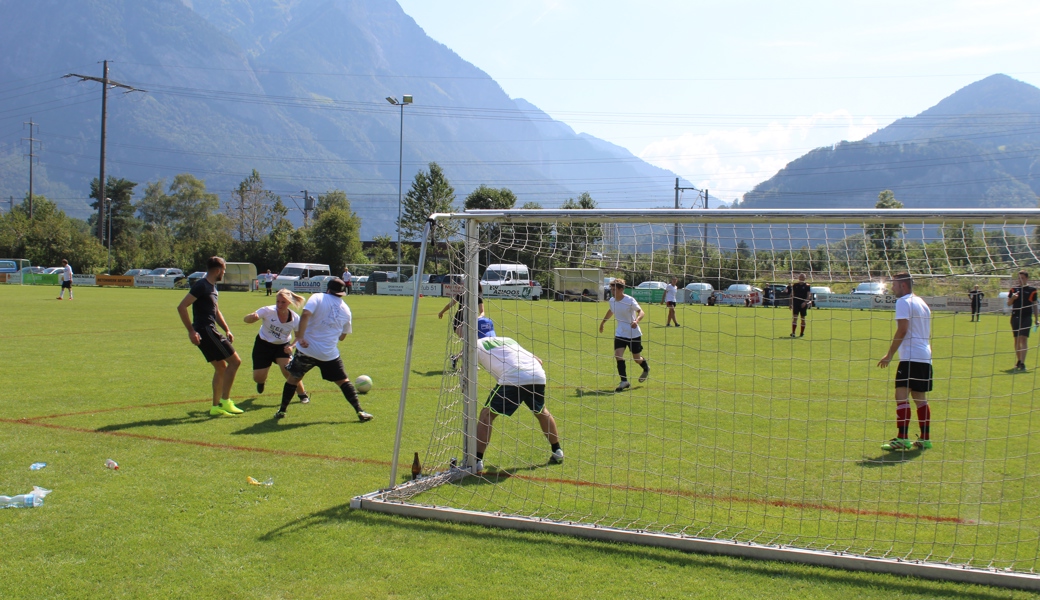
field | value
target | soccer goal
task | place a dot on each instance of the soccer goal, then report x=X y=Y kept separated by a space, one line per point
x=747 y=438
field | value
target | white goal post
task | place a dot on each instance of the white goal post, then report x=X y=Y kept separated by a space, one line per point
x=748 y=438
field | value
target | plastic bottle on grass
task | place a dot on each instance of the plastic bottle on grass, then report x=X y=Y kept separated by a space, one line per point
x=37 y=466
x=30 y=500
x=111 y=464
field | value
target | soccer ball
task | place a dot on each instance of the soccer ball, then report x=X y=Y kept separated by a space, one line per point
x=363 y=384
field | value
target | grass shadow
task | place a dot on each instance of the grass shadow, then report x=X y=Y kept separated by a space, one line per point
x=889 y=459
x=194 y=416
x=272 y=426
x=429 y=373
x=581 y=392
x=794 y=574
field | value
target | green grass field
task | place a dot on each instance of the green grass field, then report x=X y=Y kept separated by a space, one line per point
x=112 y=375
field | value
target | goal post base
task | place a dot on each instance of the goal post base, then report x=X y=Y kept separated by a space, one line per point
x=382 y=502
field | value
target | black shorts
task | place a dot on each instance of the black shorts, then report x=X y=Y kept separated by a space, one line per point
x=915 y=375
x=66 y=285
x=265 y=353
x=670 y=304
x=213 y=345
x=635 y=345
x=331 y=370
x=456 y=321
x=505 y=399
x=267 y=284
x=1020 y=324
x=799 y=309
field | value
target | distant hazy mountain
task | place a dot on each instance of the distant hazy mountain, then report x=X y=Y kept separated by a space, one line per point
x=292 y=88
x=980 y=147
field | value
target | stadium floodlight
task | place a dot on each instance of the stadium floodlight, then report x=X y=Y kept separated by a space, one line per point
x=405 y=100
x=745 y=441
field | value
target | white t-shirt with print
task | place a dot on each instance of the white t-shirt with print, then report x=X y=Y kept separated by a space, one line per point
x=917 y=345
x=330 y=318
x=271 y=327
x=625 y=311
x=669 y=293
x=508 y=362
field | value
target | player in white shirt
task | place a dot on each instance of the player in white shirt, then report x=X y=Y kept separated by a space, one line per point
x=277 y=325
x=326 y=321
x=914 y=373
x=627 y=333
x=66 y=279
x=520 y=380
x=669 y=301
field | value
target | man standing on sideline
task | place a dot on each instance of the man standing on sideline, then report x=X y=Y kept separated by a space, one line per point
x=801 y=297
x=976 y=303
x=66 y=279
x=914 y=373
x=1022 y=300
x=627 y=333
x=325 y=322
x=268 y=281
x=202 y=331
x=669 y=301
x=520 y=380
x=346 y=280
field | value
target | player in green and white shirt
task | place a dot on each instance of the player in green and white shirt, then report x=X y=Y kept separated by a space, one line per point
x=520 y=379
x=627 y=333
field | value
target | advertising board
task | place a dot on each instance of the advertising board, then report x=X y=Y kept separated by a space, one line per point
x=78 y=279
x=515 y=292
x=848 y=301
x=114 y=280
x=306 y=286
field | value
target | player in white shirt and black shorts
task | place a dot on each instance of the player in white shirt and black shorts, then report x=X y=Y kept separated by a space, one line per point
x=277 y=325
x=326 y=321
x=669 y=301
x=520 y=380
x=627 y=333
x=914 y=373
x=66 y=279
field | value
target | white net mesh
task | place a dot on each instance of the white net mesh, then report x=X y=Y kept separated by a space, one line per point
x=742 y=432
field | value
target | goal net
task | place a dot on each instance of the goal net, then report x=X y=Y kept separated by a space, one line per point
x=747 y=437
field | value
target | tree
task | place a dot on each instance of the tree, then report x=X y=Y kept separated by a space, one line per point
x=573 y=239
x=490 y=198
x=335 y=234
x=430 y=193
x=885 y=246
x=250 y=209
x=49 y=236
x=382 y=253
x=121 y=193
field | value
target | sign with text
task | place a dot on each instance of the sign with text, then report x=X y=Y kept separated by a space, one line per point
x=150 y=281
x=306 y=286
x=392 y=288
x=852 y=301
x=516 y=292
x=114 y=280
x=78 y=279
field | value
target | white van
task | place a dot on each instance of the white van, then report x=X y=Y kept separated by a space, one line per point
x=297 y=271
x=509 y=281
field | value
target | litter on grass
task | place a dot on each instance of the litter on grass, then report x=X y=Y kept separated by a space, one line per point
x=268 y=483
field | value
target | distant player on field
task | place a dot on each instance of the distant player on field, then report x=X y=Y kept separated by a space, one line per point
x=277 y=325
x=66 y=279
x=326 y=321
x=202 y=331
x=976 y=303
x=627 y=333
x=1022 y=300
x=801 y=297
x=520 y=380
x=268 y=281
x=669 y=301
x=914 y=373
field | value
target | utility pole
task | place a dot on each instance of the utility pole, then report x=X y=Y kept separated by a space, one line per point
x=105 y=83
x=32 y=158
x=675 y=232
x=308 y=206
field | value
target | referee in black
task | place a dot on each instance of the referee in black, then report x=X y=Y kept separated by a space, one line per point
x=800 y=299
x=1022 y=300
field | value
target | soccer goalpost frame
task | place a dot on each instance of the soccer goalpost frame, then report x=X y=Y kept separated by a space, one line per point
x=746 y=440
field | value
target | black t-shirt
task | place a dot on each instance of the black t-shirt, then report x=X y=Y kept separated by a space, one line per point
x=799 y=293
x=1023 y=305
x=204 y=309
x=976 y=297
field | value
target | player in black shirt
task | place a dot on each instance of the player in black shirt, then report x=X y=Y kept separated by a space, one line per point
x=976 y=303
x=202 y=331
x=801 y=297
x=1022 y=300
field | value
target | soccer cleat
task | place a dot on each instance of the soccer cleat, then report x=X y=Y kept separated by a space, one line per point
x=230 y=407
x=454 y=364
x=259 y=388
x=644 y=375
x=802 y=334
x=305 y=399
x=897 y=444
x=557 y=457
x=624 y=385
x=792 y=334
x=279 y=415
x=217 y=411
x=479 y=467
x=922 y=444
x=58 y=298
x=363 y=416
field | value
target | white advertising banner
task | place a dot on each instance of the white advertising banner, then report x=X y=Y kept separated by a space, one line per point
x=851 y=301
x=306 y=286
x=516 y=292
x=150 y=281
x=430 y=289
x=78 y=279
x=393 y=288
x=722 y=298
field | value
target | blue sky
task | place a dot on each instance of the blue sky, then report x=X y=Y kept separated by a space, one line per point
x=725 y=93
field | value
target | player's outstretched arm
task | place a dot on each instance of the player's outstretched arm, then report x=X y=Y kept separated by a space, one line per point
x=251 y=318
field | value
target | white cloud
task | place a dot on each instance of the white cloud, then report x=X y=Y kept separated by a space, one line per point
x=729 y=162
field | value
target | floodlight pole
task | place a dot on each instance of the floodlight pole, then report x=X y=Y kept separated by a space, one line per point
x=406 y=99
x=108 y=203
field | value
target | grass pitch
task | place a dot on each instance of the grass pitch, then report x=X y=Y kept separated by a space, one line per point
x=112 y=375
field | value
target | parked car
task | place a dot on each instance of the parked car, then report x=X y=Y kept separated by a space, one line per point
x=820 y=289
x=33 y=270
x=652 y=285
x=324 y=279
x=740 y=294
x=1002 y=297
x=871 y=288
x=698 y=293
x=53 y=270
x=176 y=274
x=136 y=272
x=197 y=275
x=777 y=296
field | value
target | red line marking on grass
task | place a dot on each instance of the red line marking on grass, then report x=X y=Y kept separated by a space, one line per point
x=35 y=422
